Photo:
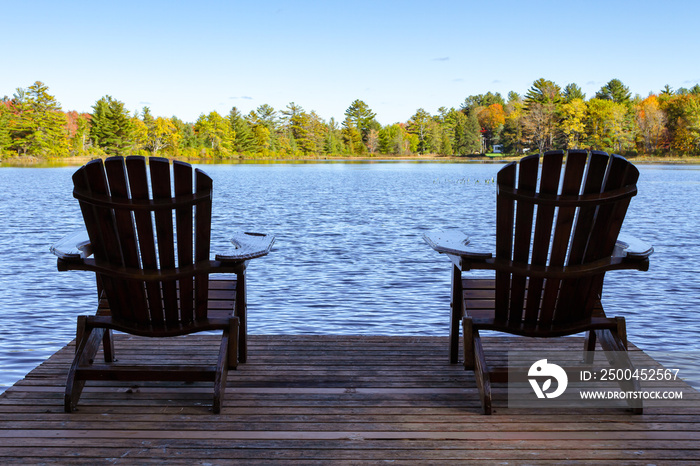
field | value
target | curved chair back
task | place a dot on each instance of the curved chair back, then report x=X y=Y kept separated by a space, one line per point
x=148 y=229
x=562 y=212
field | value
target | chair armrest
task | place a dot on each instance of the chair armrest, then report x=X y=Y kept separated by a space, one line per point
x=73 y=247
x=247 y=246
x=632 y=248
x=453 y=242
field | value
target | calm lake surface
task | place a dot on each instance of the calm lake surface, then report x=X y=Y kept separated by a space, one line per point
x=349 y=258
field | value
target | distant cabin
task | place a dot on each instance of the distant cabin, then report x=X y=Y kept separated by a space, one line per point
x=498 y=148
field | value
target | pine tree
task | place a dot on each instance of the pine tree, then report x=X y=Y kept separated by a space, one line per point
x=112 y=128
x=243 y=141
x=37 y=126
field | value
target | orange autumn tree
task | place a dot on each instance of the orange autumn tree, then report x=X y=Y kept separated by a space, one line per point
x=491 y=119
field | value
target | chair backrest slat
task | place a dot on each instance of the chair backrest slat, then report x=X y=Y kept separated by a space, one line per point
x=549 y=184
x=527 y=181
x=182 y=174
x=122 y=234
x=132 y=291
x=202 y=242
x=99 y=222
x=573 y=175
x=570 y=291
x=541 y=224
x=138 y=183
x=505 y=209
x=161 y=187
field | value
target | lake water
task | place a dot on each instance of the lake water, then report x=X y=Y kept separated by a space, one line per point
x=349 y=258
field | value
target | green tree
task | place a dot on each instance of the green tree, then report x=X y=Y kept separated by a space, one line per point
x=359 y=116
x=483 y=100
x=37 y=126
x=244 y=141
x=616 y=91
x=467 y=133
x=394 y=139
x=683 y=122
x=352 y=137
x=306 y=129
x=608 y=125
x=543 y=92
x=111 y=127
x=265 y=116
x=573 y=91
x=667 y=91
x=160 y=132
x=333 y=139
x=187 y=139
x=5 y=114
x=216 y=133
x=420 y=125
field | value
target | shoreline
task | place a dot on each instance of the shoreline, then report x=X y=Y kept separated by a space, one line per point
x=37 y=162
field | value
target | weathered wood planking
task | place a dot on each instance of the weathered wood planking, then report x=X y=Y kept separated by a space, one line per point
x=324 y=399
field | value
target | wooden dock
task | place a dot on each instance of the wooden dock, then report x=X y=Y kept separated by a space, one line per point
x=324 y=399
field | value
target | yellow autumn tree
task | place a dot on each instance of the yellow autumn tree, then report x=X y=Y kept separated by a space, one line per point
x=573 y=122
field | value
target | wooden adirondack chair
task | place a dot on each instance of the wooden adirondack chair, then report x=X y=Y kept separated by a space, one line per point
x=154 y=282
x=555 y=239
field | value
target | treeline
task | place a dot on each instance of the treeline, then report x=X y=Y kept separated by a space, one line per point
x=32 y=123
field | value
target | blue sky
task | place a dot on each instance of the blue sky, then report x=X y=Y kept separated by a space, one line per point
x=188 y=58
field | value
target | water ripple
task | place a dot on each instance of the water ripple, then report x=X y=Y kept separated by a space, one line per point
x=348 y=259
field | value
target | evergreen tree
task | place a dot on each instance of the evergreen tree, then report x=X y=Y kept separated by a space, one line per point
x=244 y=141
x=359 y=116
x=571 y=92
x=483 y=100
x=467 y=139
x=264 y=122
x=37 y=126
x=333 y=139
x=616 y=91
x=543 y=92
x=419 y=124
x=112 y=128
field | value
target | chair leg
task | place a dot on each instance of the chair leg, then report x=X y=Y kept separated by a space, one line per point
x=457 y=303
x=84 y=353
x=481 y=373
x=241 y=312
x=221 y=372
x=468 y=343
x=614 y=344
x=108 y=346
x=589 y=347
x=234 y=330
x=228 y=359
x=622 y=330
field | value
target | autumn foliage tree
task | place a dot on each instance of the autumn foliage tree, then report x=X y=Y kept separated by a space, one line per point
x=491 y=119
x=32 y=124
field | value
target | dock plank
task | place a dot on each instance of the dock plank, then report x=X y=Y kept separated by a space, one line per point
x=315 y=399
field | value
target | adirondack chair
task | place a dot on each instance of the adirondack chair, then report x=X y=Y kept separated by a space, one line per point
x=555 y=239
x=154 y=283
